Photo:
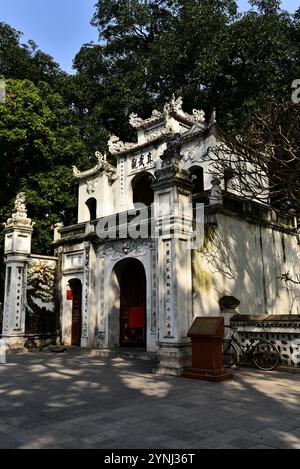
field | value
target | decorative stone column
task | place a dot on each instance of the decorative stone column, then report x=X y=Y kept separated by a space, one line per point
x=18 y=231
x=173 y=215
x=216 y=197
x=228 y=306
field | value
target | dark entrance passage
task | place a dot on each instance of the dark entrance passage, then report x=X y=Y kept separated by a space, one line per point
x=142 y=191
x=132 y=304
x=76 y=288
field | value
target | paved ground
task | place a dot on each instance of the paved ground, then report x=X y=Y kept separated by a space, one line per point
x=73 y=401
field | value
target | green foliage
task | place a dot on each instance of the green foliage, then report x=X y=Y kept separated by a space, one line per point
x=204 y=50
x=26 y=61
x=38 y=146
x=267 y=7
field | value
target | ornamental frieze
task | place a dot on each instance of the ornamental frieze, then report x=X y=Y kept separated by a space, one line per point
x=122 y=249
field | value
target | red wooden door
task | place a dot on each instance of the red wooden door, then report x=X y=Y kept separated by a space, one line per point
x=133 y=305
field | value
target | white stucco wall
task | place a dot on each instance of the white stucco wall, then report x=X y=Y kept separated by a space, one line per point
x=103 y=192
x=117 y=196
x=244 y=260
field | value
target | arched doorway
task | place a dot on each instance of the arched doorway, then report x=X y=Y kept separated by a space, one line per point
x=76 y=288
x=92 y=207
x=199 y=197
x=131 y=277
x=197 y=172
x=142 y=192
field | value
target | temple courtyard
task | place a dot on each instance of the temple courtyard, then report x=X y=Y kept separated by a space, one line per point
x=72 y=400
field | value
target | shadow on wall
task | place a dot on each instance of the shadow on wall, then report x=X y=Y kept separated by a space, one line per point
x=245 y=260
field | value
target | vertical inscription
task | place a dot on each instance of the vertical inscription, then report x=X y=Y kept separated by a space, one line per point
x=154 y=290
x=102 y=279
x=86 y=291
x=7 y=303
x=122 y=181
x=19 y=298
x=168 y=283
x=24 y=297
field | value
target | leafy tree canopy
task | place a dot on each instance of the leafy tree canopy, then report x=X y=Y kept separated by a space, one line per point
x=204 y=50
x=25 y=61
x=38 y=146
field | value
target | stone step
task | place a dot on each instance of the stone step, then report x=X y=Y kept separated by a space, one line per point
x=129 y=354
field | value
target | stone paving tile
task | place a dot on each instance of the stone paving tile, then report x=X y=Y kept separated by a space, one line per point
x=73 y=401
x=154 y=440
x=76 y=444
x=222 y=439
x=242 y=443
x=177 y=443
x=280 y=440
x=295 y=431
x=226 y=447
x=93 y=439
x=42 y=437
x=187 y=437
x=260 y=446
x=82 y=430
x=7 y=442
x=204 y=434
x=113 y=444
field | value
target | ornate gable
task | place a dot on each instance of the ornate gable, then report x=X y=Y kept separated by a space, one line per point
x=172 y=120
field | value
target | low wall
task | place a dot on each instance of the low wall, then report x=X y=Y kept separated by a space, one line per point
x=283 y=331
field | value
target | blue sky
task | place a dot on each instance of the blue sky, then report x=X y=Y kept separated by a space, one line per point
x=60 y=27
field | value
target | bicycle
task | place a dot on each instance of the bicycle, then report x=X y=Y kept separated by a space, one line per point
x=263 y=354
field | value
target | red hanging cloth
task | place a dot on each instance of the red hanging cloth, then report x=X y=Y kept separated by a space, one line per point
x=136 y=318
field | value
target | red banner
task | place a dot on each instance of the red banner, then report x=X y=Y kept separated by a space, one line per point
x=69 y=295
x=136 y=318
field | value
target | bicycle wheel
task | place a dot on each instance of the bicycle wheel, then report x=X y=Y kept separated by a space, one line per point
x=229 y=354
x=265 y=356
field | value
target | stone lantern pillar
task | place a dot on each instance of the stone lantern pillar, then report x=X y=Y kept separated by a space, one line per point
x=18 y=231
x=173 y=214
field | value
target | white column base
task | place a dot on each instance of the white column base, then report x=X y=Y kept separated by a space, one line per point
x=173 y=358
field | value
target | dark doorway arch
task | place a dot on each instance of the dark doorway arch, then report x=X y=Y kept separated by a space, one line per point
x=199 y=196
x=92 y=206
x=142 y=191
x=132 y=282
x=76 y=288
x=197 y=172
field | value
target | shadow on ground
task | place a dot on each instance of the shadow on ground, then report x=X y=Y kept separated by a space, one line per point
x=74 y=401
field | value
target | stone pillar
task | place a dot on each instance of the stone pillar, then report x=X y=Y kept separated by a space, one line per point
x=228 y=306
x=173 y=215
x=87 y=300
x=18 y=232
x=215 y=197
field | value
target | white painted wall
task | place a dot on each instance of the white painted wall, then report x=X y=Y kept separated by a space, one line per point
x=117 y=197
x=244 y=260
x=104 y=193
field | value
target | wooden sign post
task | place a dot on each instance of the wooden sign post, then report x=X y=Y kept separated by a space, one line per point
x=207 y=353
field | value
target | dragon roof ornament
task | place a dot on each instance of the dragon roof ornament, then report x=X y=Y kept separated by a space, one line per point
x=173 y=108
x=138 y=123
x=158 y=125
x=101 y=166
x=115 y=145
